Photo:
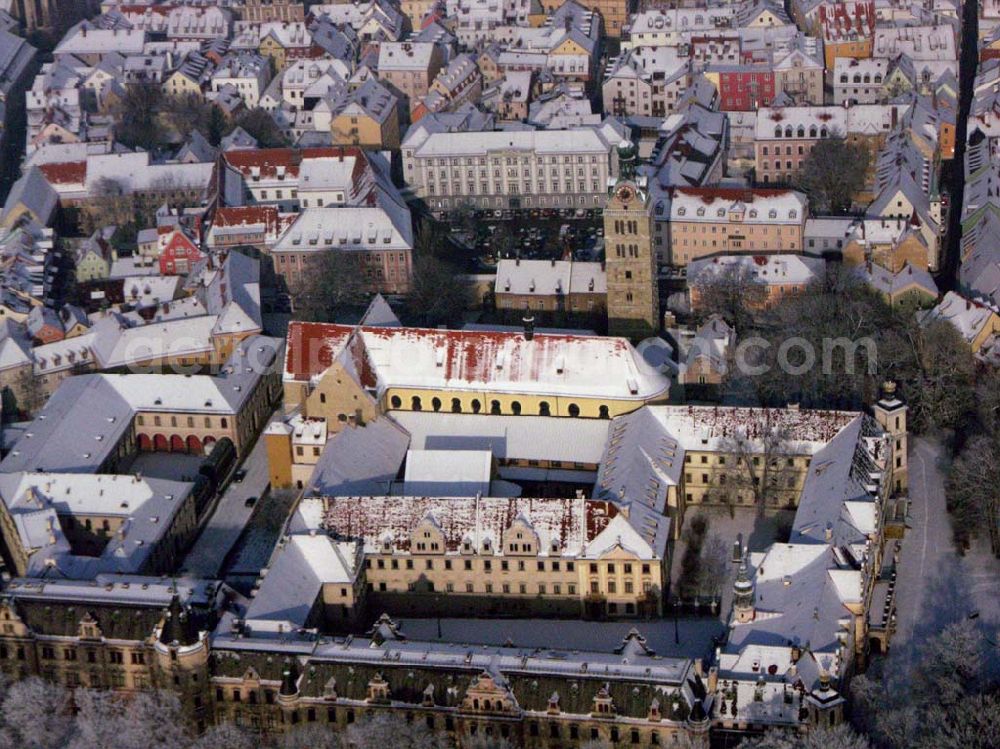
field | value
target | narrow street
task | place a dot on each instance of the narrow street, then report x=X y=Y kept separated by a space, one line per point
x=936 y=586
x=230 y=516
x=948 y=276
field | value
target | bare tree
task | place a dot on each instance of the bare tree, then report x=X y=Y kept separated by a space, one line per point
x=28 y=391
x=713 y=566
x=330 y=286
x=757 y=464
x=438 y=295
x=733 y=292
x=311 y=737
x=229 y=736
x=147 y=720
x=976 y=725
x=109 y=204
x=973 y=487
x=838 y=737
x=833 y=173
x=37 y=715
x=385 y=730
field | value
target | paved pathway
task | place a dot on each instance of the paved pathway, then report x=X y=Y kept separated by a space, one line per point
x=230 y=516
x=936 y=586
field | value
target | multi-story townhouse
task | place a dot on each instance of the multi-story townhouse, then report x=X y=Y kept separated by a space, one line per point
x=675 y=26
x=410 y=67
x=614 y=13
x=90 y=43
x=372 y=20
x=786 y=135
x=848 y=29
x=458 y=82
x=267 y=11
x=475 y=19
x=646 y=81
x=364 y=114
x=199 y=24
x=304 y=81
x=248 y=73
x=284 y=42
x=860 y=81
x=709 y=221
x=799 y=72
x=511 y=169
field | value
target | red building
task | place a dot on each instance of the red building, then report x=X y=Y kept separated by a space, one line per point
x=178 y=253
x=743 y=88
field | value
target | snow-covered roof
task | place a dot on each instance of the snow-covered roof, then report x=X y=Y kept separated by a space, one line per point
x=770 y=270
x=447 y=473
x=81 y=424
x=969 y=317
x=564 y=527
x=548 y=277
x=145 y=508
x=302 y=564
x=419 y=358
x=754 y=205
x=550 y=438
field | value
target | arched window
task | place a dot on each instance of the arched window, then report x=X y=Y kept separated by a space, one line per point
x=812 y=131
x=574 y=410
x=515 y=408
x=777 y=131
x=456 y=406
x=436 y=403
x=801 y=132
x=543 y=409
x=395 y=401
x=415 y=403
x=476 y=405
x=603 y=412
x=495 y=408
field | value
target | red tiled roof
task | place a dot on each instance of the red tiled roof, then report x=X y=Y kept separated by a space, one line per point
x=466 y=355
x=247 y=215
x=65 y=173
x=269 y=159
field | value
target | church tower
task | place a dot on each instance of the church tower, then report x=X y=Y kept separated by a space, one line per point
x=890 y=412
x=633 y=296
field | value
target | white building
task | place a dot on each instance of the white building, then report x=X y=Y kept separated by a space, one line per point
x=512 y=169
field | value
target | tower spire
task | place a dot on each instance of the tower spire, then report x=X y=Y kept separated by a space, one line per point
x=743 y=608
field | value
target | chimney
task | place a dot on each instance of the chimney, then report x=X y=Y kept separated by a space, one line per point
x=529 y=327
